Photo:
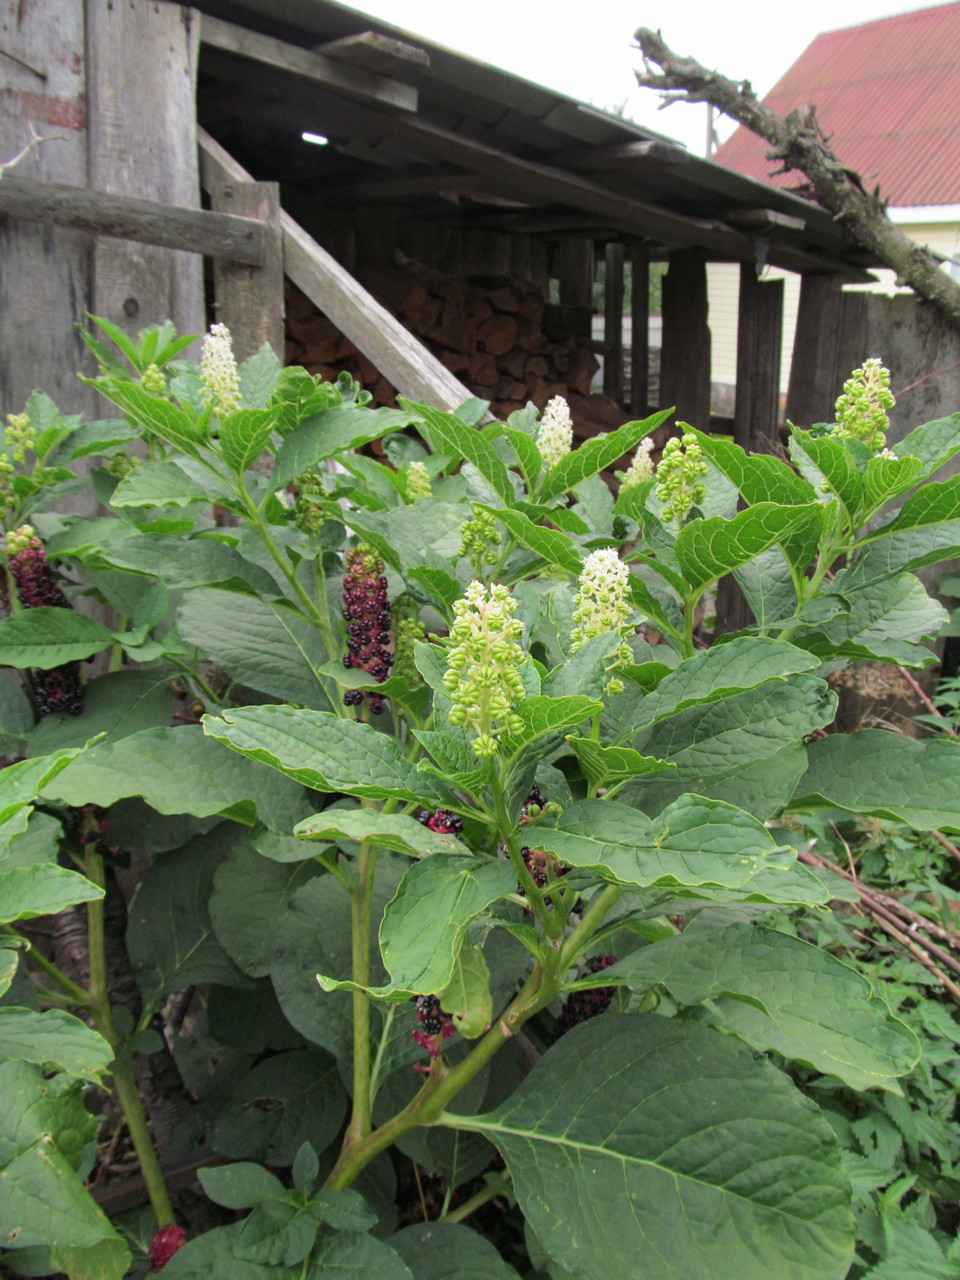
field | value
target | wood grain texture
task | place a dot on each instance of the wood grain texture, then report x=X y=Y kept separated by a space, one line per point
x=249 y=299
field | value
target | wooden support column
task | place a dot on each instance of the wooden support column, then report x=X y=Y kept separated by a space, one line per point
x=685 y=358
x=142 y=141
x=830 y=342
x=759 y=337
x=249 y=300
x=575 y=270
x=613 y=322
x=640 y=328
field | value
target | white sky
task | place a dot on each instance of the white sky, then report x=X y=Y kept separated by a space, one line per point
x=585 y=49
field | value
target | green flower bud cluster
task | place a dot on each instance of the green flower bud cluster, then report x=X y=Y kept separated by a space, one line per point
x=601 y=602
x=416 y=481
x=18 y=438
x=641 y=468
x=308 y=516
x=483 y=678
x=219 y=380
x=407 y=630
x=680 y=486
x=479 y=539
x=555 y=434
x=154 y=381
x=122 y=463
x=22 y=539
x=862 y=408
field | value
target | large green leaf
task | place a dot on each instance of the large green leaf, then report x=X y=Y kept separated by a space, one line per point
x=835 y=462
x=394 y=831
x=934 y=443
x=351 y=1255
x=760 y=477
x=116 y=704
x=170 y=936
x=406 y=536
x=552 y=545
x=48 y=637
x=451 y=436
x=266 y=646
x=886 y=478
x=449 y=1251
x=885 y=621
x=157 y=484
x=542 y=716
x=159 y=416
x=333 y=431
x=603 y=765
x=746 y=749
x=777 y=992
x=181 y=771
x=744 y=663
x=54 y=1039
x=22 y=782
x=708 y=549
x=211 y=1257
x=191 y=562
x=639 y=1140
x=693 y=842
x=885 y=774
x=243 y=436
x=322 y=751
x=42 y=890
x=597 y=454
x=925 y=530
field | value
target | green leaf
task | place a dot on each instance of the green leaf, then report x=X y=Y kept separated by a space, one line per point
x=449 y=1251
x=116 y=704
x=760 y=477
x=38 y=1105
x=639 y=1137
x=776 y=992
x=157 y=484
x=277 y=1232
x=886 y=478
x=597 y=454
x=442 y=588
x=238 y=1186
x=211 y=1257
x=453 y=760
x=934 y=443
x=42 y=890
x=694 y=842
x=528 y=455
x=322 y=751
x=191 y=562
x=45 y=1201
x=884 y=774
x=94 y=438
x=333 y=431
x=159 y=416
x=708 y=549
x=542 y=716
x=180 y=771
x=22 y=782
x=54 y=1039
x=604 y=765
x=16 y=714
x=258 y=378
x=108 y=1259
x=585 y=672
x=885 y=621
x=48 y=637
x=467 y=996
x=726 y=669
x=552 y=545
x=406 y=536
x=170 y=936
x=244 y=436
x=264 y=645
x=387 y=830
x=836 y=464
x=350 y=1256
x=449 y=435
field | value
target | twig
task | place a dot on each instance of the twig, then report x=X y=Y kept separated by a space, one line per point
x=947 y=844
x=924 y=698
x=35 y=140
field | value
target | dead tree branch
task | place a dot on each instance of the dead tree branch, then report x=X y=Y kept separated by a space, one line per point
x=798 y=142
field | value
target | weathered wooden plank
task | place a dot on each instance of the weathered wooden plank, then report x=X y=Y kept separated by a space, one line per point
x=639 y=328
x=761 y=219
x=249 y=299
x=759 y=337
x=306 y=64
x=574 y=270
x=640 y=156
x=685 y=355
x=375 y=52
x=217 y=235
x=614 y=254
x=401 y=359
x=141 y=93
x=829 y=342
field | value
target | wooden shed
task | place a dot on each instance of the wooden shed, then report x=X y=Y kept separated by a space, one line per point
x=449 y=198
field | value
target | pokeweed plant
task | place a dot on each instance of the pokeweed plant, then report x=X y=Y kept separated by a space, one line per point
x=452 y=755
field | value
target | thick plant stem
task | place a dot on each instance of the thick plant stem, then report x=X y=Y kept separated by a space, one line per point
x=360 y=918
x=479 y=1200
x=124 y=1081
x=76 y=995
x=593 y=918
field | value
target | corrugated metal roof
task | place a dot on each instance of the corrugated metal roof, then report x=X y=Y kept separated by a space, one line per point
x=887 y=95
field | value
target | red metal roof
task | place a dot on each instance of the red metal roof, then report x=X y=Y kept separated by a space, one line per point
x=887 y=95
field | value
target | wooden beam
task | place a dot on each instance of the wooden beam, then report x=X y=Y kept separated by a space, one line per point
x=685 y=355
x=613 y=321
x=249 y=300
x=216 y=235
x=640 y=328
x=575 y=270
x=329 y=73
x=829 y=343
x=761 y=219
x=401 y=359
x=759 y=338
x=403 y=185
x=648 y=153
x=377 y=53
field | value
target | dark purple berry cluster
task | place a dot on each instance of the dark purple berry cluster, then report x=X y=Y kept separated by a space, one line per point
x=542 y=866
x=581 y=1005
x=435 y=1026
x=57 y=690
x=366 y=612
x=442 y=821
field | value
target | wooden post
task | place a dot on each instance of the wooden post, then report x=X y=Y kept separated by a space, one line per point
x=249 y=300
x=759 y=337
x=141 y=79
x=640 y=329
x=685 y=358
x=575 y=272
x=830 y=342
x=613 y=322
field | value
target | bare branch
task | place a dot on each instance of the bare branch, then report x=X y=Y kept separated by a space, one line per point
x=35 y=140
x=798 y=142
